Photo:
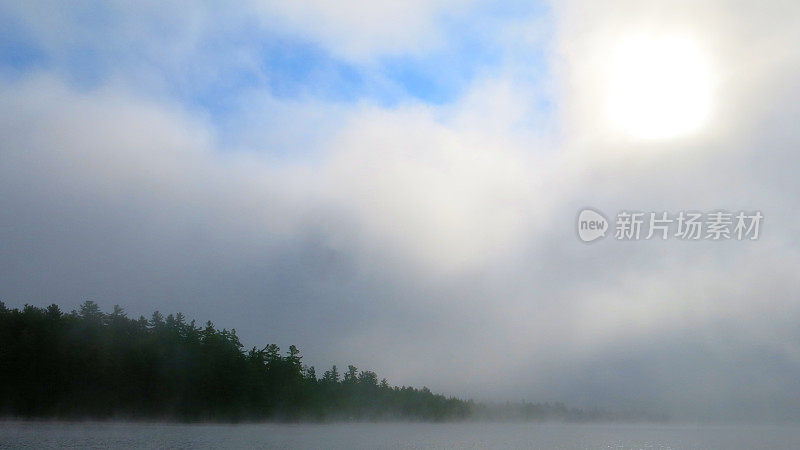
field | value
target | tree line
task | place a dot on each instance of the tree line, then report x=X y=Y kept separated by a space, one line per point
x=87 y=364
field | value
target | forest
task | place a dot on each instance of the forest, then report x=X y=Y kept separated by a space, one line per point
x=87 y=364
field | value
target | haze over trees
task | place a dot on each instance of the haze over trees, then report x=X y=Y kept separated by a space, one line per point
x=90 y=364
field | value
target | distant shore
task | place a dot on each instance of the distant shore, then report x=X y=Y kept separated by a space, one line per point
x=91 y=365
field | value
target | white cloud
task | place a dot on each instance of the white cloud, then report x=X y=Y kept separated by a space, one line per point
x=363 y=30
x=442 y=196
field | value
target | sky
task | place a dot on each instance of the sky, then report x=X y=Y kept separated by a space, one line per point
x=395 y=185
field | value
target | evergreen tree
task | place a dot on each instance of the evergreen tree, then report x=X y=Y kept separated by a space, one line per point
x=90 y=364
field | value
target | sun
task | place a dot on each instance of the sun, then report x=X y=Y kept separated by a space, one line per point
x=657 y=87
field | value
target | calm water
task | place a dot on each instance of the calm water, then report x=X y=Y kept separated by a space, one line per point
x=369 y=436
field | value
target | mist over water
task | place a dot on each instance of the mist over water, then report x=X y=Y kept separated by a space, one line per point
x=395 y=435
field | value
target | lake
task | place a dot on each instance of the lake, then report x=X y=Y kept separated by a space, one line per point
x=394 y=435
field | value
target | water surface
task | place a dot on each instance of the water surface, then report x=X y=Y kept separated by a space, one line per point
x=393 y=436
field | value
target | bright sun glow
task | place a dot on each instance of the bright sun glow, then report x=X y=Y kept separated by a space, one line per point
x=657 y=87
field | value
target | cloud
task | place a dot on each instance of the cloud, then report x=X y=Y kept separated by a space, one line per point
x=445 y=198
x=359 y=30
x=411 y=237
